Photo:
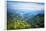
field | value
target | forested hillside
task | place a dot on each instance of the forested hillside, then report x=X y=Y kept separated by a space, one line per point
x=15 y=21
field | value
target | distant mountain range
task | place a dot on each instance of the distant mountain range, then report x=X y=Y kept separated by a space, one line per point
x=25 y=14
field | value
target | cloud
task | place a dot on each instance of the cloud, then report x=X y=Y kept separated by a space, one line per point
x=27 y=6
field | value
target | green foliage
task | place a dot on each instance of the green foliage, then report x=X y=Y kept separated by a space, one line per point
x=21 y=24
x=16 y=22
x=18 y=25
x=38 y=22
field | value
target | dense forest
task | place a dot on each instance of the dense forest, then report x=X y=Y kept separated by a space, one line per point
x=15 y=21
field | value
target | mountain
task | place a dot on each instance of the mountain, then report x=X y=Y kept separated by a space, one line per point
x=37 y=20
x=26 y=14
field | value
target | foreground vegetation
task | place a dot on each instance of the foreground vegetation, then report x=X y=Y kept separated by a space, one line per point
x=16 y=22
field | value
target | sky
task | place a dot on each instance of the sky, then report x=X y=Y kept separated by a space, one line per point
x=28 y=0
x=25 y=6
